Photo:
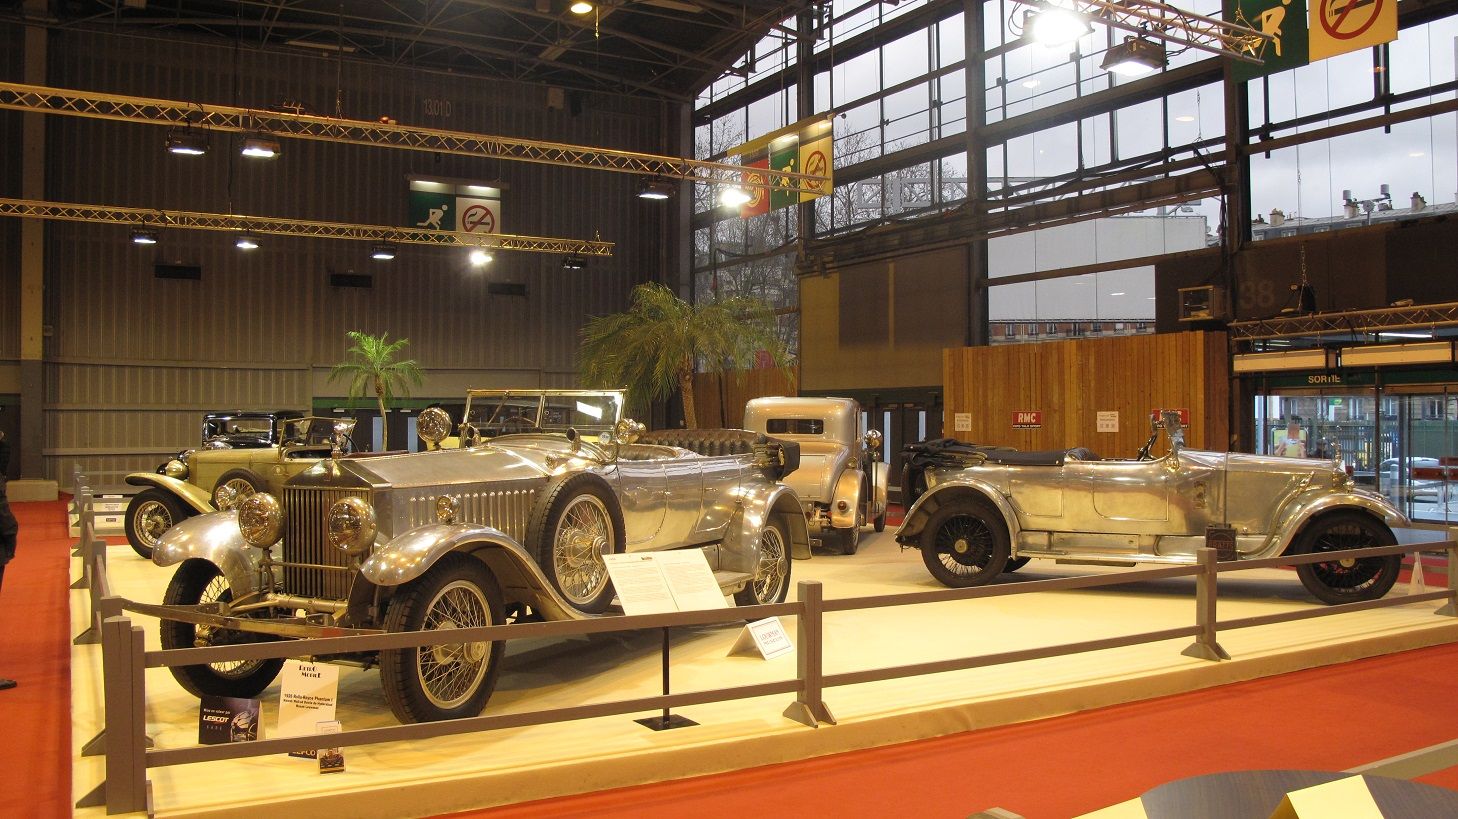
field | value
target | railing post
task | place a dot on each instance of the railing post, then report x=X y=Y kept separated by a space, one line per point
x=106 y=608
x=1450 y=608
x=808 y=707
x=1206 y=647
x=88 y=538
x=123 y=667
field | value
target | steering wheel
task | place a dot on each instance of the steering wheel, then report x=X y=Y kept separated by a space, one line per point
x=1144 y=451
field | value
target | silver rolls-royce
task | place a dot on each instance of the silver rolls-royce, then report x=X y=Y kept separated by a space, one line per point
x=514 y=519
x=979 y=511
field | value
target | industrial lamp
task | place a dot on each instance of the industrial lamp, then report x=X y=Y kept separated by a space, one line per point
x=574 y=262
x=656 y=189
x=1054 y=25
x=143 y=236
x=260 y=147
x=734 y=197
x=186 y=142
x=383 y=251
x=479 y=258
x=580 y=7
x=246 y=241
x=1134 y=57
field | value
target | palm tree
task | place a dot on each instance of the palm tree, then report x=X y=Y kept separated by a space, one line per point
x=373 y=367
x=653 y=347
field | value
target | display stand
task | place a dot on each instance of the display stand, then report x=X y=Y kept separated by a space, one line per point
x=667 y=720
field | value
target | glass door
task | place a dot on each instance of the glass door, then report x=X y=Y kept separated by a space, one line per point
x=1424 y=443
x=1318 y=423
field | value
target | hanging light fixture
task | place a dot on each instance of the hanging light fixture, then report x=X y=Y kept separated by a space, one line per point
x=656 y=189
x=187 y=142
x=479 y=258
x=574 y=262
x=1134 y=57
x=246 y=241
x=580 y=7
x=144 y=236
x=1054 y=25
x=260 y=147
x=383 y=251
x=734 y=197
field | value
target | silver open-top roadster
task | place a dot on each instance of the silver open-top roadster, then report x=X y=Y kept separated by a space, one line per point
x=981 y=511
x=519 y=517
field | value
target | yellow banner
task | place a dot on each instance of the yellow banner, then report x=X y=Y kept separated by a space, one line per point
x=817 y=157
x=1339 y=26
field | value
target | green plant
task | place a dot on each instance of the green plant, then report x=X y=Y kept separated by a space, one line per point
x=654 y=346
x=371 y=366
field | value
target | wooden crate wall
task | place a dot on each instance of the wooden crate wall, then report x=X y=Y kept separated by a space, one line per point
x=1071 y=381
x=738 y=388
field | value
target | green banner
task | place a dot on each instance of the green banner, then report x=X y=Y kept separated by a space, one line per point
x=784 y=159
x=1289 y=47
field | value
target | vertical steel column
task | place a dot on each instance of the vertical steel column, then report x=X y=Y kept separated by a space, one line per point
x=1237 y=169
x=1206 y=647
x=974 y=74
x=32 y=153
x=809 y=708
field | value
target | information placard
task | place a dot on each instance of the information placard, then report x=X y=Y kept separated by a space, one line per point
x=658 y=582
x=767 y=637
x=307 y=696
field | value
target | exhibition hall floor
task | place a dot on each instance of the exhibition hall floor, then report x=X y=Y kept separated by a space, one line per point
x=515 y=765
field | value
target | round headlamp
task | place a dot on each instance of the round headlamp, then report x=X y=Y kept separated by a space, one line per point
x=433 y=424
x=261 y=519
x=175 y=469
x=446 y=508
x=352 y=525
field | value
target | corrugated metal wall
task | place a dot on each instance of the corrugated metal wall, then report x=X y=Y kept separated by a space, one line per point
x=133 y=359
x=12 y=69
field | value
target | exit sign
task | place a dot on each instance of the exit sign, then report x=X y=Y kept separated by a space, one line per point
x=1027 y=419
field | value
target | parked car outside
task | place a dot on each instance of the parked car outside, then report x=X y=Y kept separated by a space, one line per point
x=242 y=453
x=841 y=481
x=516 y=520
x=980 y=511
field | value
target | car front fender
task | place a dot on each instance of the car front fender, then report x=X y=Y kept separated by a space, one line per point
x=413 y=553
x=954 y=489
x=199 y=500
x=762 y=503
x=881 y=474
x=1312 y=504
x=215 y=538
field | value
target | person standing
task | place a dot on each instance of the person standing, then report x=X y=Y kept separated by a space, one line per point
x=9 y=529
x=1293 y=445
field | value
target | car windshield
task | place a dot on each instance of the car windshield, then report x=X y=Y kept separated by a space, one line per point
x=502 y=412
x=308 y=431
x=229 y=426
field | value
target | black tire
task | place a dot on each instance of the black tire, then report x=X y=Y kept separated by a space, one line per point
x=444 y=681
x=580 y=522
x=1334 y=583
x=965 y=544
x=879 y=523
x=1015 y=563
x=244 y=482
x=150 y=513
x=771 y=581
x=849 y=539
x=198 y=581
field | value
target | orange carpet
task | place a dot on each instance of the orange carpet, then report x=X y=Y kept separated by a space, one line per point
x=1325 y=719
x=35 y=651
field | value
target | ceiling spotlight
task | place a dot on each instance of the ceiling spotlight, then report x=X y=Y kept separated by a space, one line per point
x=656 y=189
x=143 y=236
x=260 y=147
x=1054 y=25
x=734 y=197
x=246 y=241
x=187 y=142
x=1134 y=57
x=384 y=251
x=479 y=258
x=580 y=7
x=573 y=262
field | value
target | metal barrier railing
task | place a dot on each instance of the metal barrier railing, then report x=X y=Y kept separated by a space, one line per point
x=125 y=659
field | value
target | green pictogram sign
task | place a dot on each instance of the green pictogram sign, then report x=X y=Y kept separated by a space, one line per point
x=1286 y=21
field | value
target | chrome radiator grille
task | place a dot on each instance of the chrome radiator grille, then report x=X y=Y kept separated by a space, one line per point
x=504 y=508
x=306 y=549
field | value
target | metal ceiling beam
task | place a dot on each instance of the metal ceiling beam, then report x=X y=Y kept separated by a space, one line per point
x=1351 y=321
x=1150 y=18
x=232 y=223
x=201 y=117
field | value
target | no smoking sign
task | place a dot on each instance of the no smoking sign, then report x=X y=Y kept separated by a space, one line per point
x=1340 y=26
x=477 y=215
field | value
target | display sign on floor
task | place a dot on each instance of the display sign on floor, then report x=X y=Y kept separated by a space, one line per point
x=307 y=697
x=767 y=637
x=331 y=760
x=660 y=582
x=221 y=720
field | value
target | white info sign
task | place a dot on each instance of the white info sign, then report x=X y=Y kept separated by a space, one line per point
x=961 y=422
x=767 y=637
x=1108 y=421
x=659 y=582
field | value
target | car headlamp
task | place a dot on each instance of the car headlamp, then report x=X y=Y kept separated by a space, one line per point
x=175 y=469
x=261 y=519
x=352 y=526
x=446 y=508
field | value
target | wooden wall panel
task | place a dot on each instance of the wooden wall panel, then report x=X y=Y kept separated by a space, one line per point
x=1071 y=381
x=726 y=409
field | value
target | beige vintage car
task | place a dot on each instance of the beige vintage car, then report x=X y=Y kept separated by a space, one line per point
x=841 y=481
x=242 y=453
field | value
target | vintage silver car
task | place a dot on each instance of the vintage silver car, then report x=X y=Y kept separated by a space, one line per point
x=517 y=518
x=241 y=453
x=841 y=480
x=981 y=511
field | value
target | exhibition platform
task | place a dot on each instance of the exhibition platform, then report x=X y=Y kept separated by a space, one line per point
x=513 y=765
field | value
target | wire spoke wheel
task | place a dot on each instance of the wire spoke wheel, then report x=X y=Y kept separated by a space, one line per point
x=233 y=492
x=772 y=571
x=1350 y=576
x=965 y=543
x=152 y=519
x=451 y=673
x=1347 y=581
x=217 y=591
x=584 y=535
x=200 y=583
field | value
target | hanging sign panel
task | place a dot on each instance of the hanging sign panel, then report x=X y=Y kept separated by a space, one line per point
x=1285 y=21
x=1304 y=31
x=470 y=207
x=804 y=147
x=1339 y=26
